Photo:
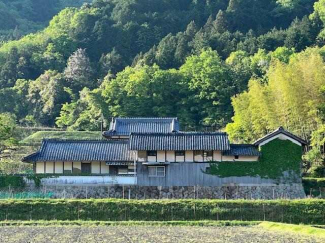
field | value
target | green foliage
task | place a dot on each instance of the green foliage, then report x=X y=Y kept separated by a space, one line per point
x=314 y=186
x=7 y=129
x=296 y=211
x=289 y=98
x=277 y=157
x=12 y=181
x=19 y=17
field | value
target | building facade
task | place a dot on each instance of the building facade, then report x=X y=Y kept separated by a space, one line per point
x=149 y=152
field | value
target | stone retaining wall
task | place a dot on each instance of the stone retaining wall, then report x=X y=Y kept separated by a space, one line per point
x=142 y=192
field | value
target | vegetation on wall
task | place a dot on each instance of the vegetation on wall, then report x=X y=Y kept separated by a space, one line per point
x=277 y=157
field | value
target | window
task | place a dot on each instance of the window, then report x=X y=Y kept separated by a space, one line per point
x=198 y=156
x=123 y=170
x=198 y=153
x=208 y=153
x=131 y=169
x=236 y=157
x=142 y=155
x=156 y=171
x=152 y=153
x=180 y=153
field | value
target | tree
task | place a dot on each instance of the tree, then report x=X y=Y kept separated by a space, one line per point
x=79 y=72
x=7 y=130
x=220 y=24
x=289 y=98
x=210 y=87
x=46 y=96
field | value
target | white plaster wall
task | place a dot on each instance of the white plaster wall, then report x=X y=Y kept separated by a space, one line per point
x=180 y=158
x=161 y=156
x=170 y=156
x=217 y=155
x=77 y=165
x=39 y=167
x=188 y=156
x=95 y=169
x=49 y=167
x=105 y=168
x=152 y=158
x=68 y=166
x=198 y=158
x=282 y=137
x=58 y=167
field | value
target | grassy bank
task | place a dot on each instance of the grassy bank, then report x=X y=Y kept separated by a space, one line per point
x=301 y=229
x=286 y=211
x=37 y=137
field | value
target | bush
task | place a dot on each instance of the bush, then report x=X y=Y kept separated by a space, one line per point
x=12 y=181
x=288 y=211
x=314 y=186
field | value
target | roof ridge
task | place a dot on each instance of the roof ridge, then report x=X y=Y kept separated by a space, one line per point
x=178 y=133
x=83 y=140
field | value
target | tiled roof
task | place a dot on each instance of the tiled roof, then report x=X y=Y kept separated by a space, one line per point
x=179 y=141
x=125 y=126
x=278 y=131
x=242 y=149
x=82 y=150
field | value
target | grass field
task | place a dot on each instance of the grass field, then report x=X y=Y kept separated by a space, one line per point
x=36 y=138
x=152 y=234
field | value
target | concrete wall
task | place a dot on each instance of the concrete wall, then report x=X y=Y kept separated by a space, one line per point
x=90 y=180
x=282 y=191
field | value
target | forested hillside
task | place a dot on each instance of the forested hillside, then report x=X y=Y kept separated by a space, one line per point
x=252 y=64
x=19 y=17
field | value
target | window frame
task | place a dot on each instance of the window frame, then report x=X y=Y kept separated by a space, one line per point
x=180 y=155
x=156 y=175
x=154 y=153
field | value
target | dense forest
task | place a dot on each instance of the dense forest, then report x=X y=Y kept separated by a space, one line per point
x=247 y=66
x=20 y=17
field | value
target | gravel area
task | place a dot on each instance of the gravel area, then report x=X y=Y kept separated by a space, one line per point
x=124 y=234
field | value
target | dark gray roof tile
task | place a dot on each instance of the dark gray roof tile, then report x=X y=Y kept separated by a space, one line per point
x=82 y=150
x=242 y=149
x=179 y=141
x=125 y=126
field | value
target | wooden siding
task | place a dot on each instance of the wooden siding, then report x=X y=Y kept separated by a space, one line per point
x=190 y=174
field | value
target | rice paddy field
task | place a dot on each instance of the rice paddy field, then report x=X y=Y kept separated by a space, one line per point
x=147 y=233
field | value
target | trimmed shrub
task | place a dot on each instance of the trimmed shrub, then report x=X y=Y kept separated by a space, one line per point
x=314 y=186
x=288 y=211
x=11 y=181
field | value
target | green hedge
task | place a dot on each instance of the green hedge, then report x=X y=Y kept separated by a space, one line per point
x=11 y=181
x=314 y=186
x=288 y=211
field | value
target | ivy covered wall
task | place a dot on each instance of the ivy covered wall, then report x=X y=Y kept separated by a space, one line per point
x=278 y=156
